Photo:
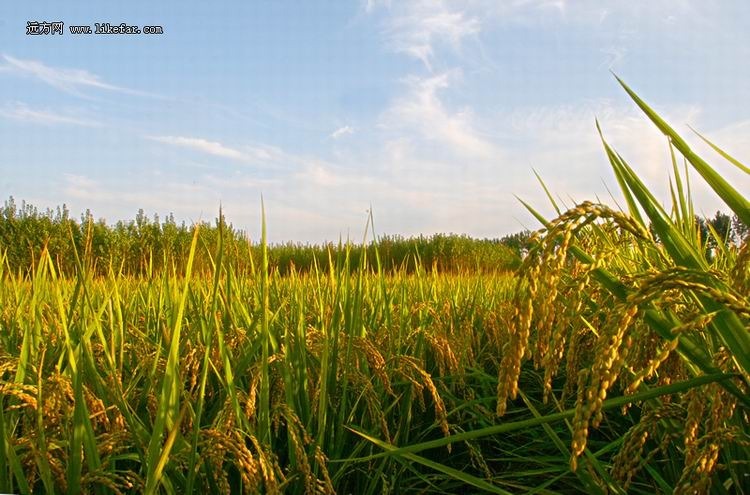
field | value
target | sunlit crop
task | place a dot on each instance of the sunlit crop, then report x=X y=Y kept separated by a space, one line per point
x=615 y=359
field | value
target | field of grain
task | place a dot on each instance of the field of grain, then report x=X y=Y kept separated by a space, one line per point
x=614 y=360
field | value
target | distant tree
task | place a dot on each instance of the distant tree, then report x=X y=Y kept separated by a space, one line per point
x=518 y=241
x=739 y=228
x=146 y=246
x=722 y=224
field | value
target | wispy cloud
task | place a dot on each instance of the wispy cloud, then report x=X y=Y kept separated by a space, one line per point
x=421 y=28
x=22 y=112
x=417 y=28
x=445 y=149
x=79 y=185
x=415 y=186
x=265 y=154
x=560 y=141
x=614 y=55
x=589 y=12
x=73 y=81
x=203 y=145
x=342 y=131
x=422 y=112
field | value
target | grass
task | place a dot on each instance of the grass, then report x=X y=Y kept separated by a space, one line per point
x=615 y=360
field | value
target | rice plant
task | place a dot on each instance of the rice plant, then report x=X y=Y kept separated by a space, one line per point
x=615 y=360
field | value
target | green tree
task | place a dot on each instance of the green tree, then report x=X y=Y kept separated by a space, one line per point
x=739 y=228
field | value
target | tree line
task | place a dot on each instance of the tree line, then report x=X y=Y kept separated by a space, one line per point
x=144 y=246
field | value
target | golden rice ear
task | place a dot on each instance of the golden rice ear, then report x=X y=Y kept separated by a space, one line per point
x=257 y=471
x=412 y=370
x=712 y=406
x=375 y=361
x=629 y=461
x=25 y=395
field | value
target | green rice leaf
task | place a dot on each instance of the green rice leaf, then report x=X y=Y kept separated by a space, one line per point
x=738 y=203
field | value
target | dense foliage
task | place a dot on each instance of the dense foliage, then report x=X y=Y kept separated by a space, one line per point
x=144 y=245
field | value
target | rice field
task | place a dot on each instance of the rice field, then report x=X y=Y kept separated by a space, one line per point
x=614 y=360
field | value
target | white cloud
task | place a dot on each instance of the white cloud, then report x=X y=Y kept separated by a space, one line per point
x=267 y=155
x=79 y=185
x=342 y=131
x=453 y=192
x=421 y=111
x=414 y=189
x=561 y=142
x=614 y=55
x=69 y=80
x=21 y=112
x=590 y=12
x=437 y=161
x=202 y=145
x=416 y=28
x=421 y=28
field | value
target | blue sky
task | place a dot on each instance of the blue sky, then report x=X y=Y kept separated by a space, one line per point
x=435 y=113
